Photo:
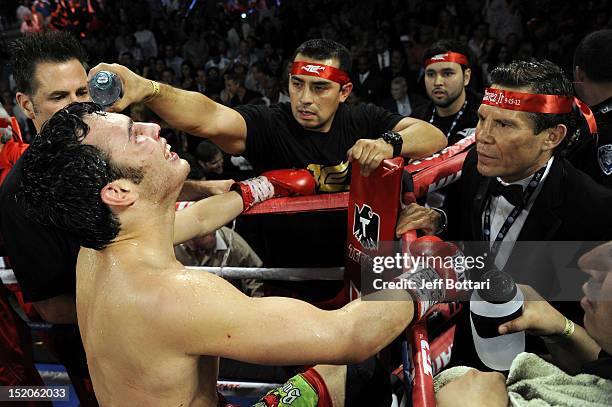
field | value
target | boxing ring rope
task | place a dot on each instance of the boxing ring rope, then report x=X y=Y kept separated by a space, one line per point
x=441 y=168
x=278 y=273
x=229 y=388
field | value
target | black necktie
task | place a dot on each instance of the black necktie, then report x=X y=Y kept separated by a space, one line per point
x=513 y=192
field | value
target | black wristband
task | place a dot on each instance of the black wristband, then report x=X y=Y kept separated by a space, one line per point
x=395 y=140
x=444 y=223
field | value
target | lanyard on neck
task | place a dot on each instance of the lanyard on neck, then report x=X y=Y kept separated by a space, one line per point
x=457 y=117
x=529 y=190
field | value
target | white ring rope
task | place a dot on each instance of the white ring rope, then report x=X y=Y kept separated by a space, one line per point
x=229 y=388
x=279 y=273
x=260 y=273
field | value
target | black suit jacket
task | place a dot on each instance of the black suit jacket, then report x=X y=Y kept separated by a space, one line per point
x=371 y=90
x=416 y=101
x=570 y=207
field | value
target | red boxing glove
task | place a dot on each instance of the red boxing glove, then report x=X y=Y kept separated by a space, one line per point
x=275 y=184
x=437 y=267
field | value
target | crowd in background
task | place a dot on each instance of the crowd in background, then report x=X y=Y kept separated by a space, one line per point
x=238 y=51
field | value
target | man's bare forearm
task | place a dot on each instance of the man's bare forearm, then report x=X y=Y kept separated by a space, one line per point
x=194 y=190
x=574 y=351
x=206 y=216
x=420 y=138
x=376 y=324
x=198 y=115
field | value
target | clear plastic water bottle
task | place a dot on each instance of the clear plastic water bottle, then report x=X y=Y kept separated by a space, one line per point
x=105 y=88
x=501 y=302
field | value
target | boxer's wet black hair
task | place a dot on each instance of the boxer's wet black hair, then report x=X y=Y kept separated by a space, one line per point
x=593 y=56
x=62 y=178
x=30 y=50
x=323 y=49
x=541 y=77
x=444 y=46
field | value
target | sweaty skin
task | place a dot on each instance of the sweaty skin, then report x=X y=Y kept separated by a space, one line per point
x=136 y=366
x=153 y=331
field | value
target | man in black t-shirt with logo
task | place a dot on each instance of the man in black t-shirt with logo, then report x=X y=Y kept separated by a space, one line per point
x=453 y=107
x=316 y=130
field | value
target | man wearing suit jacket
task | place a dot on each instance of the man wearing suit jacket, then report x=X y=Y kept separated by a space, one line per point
x=515 y=186
x=401 y=101
x=367 y=82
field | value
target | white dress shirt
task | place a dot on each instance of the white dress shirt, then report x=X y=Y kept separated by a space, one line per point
x=501 y=208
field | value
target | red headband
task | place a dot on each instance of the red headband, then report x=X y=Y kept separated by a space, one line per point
x=535 y=103
x=320 y=71
x=448 y=57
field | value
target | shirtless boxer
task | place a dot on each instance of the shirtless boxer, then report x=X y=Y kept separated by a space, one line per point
x=153 y=331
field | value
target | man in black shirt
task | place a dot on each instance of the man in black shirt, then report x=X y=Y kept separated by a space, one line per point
x=453 y=107
x=316 y=130
x=593 y=85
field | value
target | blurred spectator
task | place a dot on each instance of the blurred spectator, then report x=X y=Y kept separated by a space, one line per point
x=119 y=43
x=186 y=71
x=214 y=81
x=13 y=109
x=200 y=80
x=217 y=60
x=273 y=93
x=158 y=69
x=210 y=250
x=169 y=77
x=195 y=50
x=146 y=40
x=400 y=102
x=397 y=67
x=504 y=17
x=367 y=83
x=130 y=46
x=245 y=55
x=477 y=40
x=210 y=160
x=256 y=77
x=383 y=54
x=172 y=60
x=30 y=24
x=127 y=59
x=238 y=94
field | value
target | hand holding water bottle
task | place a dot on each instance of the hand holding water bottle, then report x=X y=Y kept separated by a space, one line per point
x=134 y=87
x=539 y=317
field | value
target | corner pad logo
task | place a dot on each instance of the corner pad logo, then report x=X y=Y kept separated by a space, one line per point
x=366 y=226
x=313 y=68
x=439 y=57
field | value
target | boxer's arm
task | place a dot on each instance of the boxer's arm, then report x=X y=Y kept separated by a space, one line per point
x=194 y=190
x=188 y=111
x=206 y=216
x=212 y=317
